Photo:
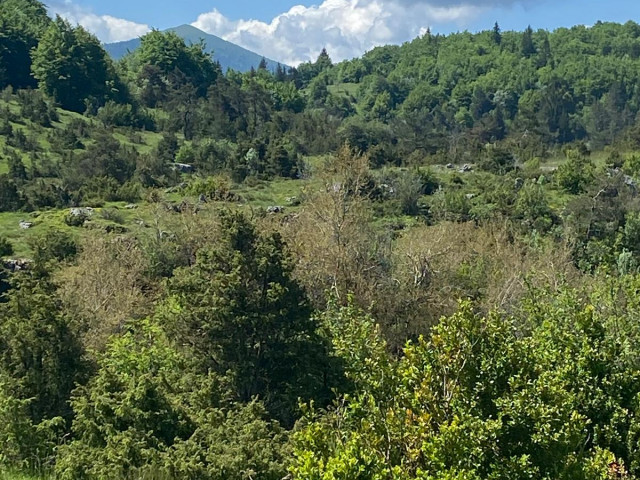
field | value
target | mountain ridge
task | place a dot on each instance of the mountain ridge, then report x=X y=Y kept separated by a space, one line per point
x=230 y=55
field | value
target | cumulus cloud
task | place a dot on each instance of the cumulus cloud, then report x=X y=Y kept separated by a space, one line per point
x=107 y=28
x=347 y=28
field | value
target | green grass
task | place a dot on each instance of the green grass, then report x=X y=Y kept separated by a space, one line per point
x=254 y=194
x=144 y=142
x=140 y=221
x=10 y=475
x=42 y=222
x=274 y=192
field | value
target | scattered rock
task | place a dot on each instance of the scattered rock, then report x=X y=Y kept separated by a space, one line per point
x=450 y=166
x=275 y=209
x=131 y=206
x=25 y=225
x=81 y=212
x=293 y=201
x=183 y=167
x=17 y=265
x=181 y=207
x=388 y=189
x=470 y=196
x=465 y=168
x=630 y=182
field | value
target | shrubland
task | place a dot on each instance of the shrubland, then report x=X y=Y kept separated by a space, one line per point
x=422 y=263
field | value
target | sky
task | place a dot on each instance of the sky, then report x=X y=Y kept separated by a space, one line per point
x=296 y=31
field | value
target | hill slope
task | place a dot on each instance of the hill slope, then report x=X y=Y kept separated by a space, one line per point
x=228 y=54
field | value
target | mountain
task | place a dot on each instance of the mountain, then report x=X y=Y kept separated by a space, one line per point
x=228 y=54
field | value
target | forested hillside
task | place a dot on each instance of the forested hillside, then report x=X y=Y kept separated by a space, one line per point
x=419 y=264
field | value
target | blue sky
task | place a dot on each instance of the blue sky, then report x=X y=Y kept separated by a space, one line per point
x=295 y=31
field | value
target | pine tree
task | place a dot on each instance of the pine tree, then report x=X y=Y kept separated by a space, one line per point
x=528 y=48
x=323 y=62
x=496 y=34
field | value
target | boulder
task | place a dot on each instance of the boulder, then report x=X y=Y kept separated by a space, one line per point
x=17 y=265
x=183 y=167
x=81 y=212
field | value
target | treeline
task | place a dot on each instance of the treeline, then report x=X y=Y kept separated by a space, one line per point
x=531 y=90
x=438 y=99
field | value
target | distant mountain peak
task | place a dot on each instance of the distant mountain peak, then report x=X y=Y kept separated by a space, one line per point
x=228 y=54
x=186 y=28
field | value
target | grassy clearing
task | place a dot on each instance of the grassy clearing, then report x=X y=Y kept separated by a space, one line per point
x=274 y=192
x=143 y=141
x=141 y=220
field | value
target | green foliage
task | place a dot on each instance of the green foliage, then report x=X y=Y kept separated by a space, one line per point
x=532 y=207
x=164 y=61
x=145 y=414
x=73 y=220
x=22 y=23
x=71 y=66
x=10 y=198
x=632 y=165
x=6 y=248
x=208 y=156
x=127 y=415
x=113 y=114
x=497 y=160
x=213 y=188
x=17 y=170
x=39 y=365
x=43 y=356
x=24 y=444
x=245 y=317
x=474 y=400
x=34 y=107
x=238 y=444
x=209 y=386
x=576 y=174
x=106 y=158
x=53 y=245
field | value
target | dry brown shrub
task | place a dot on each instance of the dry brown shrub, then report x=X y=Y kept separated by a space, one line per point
x=335 y=245
x=106 y=287
x=410 y=282
x=450 y=261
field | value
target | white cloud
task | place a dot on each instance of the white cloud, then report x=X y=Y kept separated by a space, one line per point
x=347 y=28
x=107 y=28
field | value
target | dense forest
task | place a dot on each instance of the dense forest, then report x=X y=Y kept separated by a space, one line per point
x=423 y=263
